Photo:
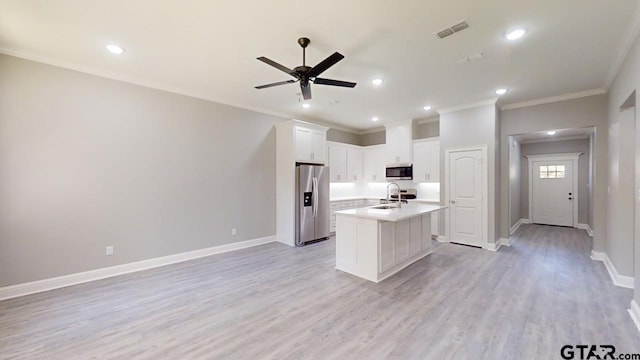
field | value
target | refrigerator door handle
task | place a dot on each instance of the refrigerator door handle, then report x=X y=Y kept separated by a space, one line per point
x=314 y=198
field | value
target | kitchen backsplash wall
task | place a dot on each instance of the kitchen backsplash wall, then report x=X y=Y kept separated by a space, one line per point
x=429 y=191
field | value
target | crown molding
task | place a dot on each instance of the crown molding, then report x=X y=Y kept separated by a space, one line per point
x=137 y=81
x=624 y=49
x=372 y=130
x=428 y=120
x=166 y=88
x=468 y=106
x=396 y=123
x=552 y=99
x=567 y=138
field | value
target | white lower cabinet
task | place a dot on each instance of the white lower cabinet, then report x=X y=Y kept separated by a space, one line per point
x=415 y=236
x=375 y=250
x=387 y=249
x=344 y=205
x=427 y=231
x=403 y=235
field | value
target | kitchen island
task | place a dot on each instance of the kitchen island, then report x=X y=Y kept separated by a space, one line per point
x=378 y=241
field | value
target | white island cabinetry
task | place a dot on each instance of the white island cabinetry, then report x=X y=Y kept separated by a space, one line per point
x=375 y=244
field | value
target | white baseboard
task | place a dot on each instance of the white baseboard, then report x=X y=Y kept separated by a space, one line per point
x=496 y=245
x=441 y=238
x=618 y=280
x=516 y=226
x=587 y=228
x=33 y=287
x=634 y=312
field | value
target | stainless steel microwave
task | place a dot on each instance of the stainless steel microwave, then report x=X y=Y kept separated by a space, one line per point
x=400 y=172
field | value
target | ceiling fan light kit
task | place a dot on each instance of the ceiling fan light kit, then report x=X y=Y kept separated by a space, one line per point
x=305 y=74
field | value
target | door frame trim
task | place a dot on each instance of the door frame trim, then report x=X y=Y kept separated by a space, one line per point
x=484 y=149
x=555 y=157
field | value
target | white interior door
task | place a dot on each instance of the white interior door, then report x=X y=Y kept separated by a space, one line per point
x=466 y=205
x=552 y=193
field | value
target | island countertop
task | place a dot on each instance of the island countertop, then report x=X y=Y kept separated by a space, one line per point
x=396 y=214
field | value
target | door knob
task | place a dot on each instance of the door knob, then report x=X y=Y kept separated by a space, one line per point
x=570 y=198
x=453 y=201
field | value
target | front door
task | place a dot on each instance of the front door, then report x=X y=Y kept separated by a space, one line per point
x=552 y=193
x=466 y=205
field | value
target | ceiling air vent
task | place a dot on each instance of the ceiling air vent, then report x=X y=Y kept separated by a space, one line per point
x=452 y=29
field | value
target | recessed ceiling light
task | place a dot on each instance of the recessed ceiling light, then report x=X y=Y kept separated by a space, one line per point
x=374 y=119
x=515 y=34
x=115 y=49
x=427 y=108
x=376 y=81
x=501 y=91
x=306 y=105
x=552 y=132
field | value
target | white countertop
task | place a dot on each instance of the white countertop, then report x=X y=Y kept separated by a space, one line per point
x=349 y=198
x=407 y=211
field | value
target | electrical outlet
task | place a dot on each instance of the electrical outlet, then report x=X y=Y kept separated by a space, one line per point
x=109 y=250
x=233 y=231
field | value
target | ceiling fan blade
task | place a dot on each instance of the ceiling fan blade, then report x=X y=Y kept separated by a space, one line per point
x=278 y=66
x=306 y=91
x=321 y=81
x=325 y=64
x=275 y=84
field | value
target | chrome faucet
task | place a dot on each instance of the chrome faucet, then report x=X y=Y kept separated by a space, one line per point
x=399 y=194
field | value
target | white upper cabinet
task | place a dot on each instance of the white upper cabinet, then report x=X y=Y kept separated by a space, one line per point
x=374 y=163
x=426 y=160
x=310 y=144
x=399 y=143
x=354 y=164
x=346 y=162
x=337 y=162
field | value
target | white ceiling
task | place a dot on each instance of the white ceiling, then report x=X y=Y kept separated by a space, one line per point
x=208 y=49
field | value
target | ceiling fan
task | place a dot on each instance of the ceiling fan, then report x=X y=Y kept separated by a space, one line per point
x=306 y=74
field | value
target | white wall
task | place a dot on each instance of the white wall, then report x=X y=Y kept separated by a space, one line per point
x=87 y=162
x=471 y=127
x=620 y=245
x=515 y=162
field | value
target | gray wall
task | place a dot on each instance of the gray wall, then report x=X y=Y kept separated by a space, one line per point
x=420 y=131
x=515 y=179
x=374 y=138
x=87 y=162
x=623 y=241
x=583 y=112
x=556 y=147
x=343 y=137
x=427 y=129
x=471 y=127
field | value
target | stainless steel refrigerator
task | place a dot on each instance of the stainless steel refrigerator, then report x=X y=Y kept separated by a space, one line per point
x=312 y=203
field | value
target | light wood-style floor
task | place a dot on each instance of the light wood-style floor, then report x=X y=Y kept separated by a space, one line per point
x=276 y=302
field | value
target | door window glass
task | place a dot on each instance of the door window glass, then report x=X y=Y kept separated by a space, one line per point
x=552 y=172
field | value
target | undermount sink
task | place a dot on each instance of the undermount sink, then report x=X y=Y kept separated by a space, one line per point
x=384 y=207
